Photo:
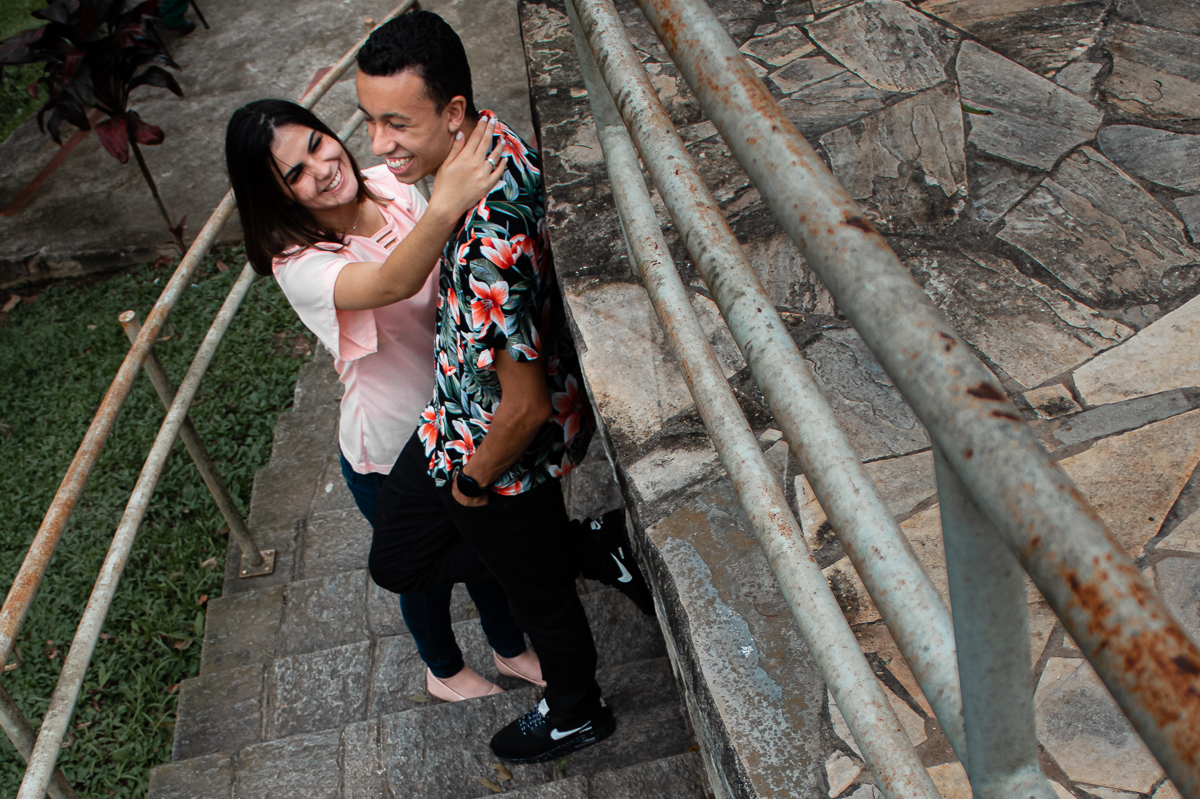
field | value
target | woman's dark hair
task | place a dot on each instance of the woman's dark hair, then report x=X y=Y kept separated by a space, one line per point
x=423 y=42
x=272 y=221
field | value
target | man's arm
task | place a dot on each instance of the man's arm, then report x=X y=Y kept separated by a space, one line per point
x=524 y=407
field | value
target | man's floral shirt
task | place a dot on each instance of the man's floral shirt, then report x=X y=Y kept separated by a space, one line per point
x=498 y=291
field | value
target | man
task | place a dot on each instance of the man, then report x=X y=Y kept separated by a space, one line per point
x=479 y=481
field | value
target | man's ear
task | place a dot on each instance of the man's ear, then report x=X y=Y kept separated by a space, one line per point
x=456 y=113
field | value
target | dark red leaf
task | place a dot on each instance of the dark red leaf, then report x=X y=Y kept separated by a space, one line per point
x=19 y=49
x=145 y=133
x=177 y=229
x=114 y=135
x=157 y=76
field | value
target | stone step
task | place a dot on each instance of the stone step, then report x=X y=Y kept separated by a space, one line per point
x=678 y=777
x=442 y=751
x=279 y=695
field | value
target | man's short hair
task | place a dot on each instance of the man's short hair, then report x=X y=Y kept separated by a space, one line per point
x=421 y=41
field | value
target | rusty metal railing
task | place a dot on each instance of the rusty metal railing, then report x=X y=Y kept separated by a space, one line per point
x=42 y=753
x=1003 y=501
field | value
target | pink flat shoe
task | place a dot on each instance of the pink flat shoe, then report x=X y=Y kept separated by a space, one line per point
x=524 y=666
x=464 y=685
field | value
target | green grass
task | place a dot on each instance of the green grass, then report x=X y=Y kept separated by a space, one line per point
x=58 y=355
x=15 y=102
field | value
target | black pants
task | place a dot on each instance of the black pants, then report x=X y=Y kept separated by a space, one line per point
x=425 y=538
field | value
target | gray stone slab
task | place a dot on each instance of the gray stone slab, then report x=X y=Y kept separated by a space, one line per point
x=996 y=187
x=397 y=678
x=334 y=542
x=780 y=47
x=870 y=410
x=1189 y=209
x=1079 y=77
x=822 y=95
x=569 y=788
x=887 y=44
x=1178 y=583
x=1162 y=157
x=1120 y=417
x=300 y=767
x=1029 y=330
x=207 y=777
x=1042 y=36
x=324 y=612
x=222 y=711
x=905 y=164
x=318 y=691
x=1156 y=73
x=750 y=682
x=1024 y=117
x=332 y=493
x=363 y=775
x=305 y=435
x=317 y=383
x=443 y=755
x=1176 y=15
x=678 y=777
x=283 y=493
x=1102 y=234
x=241 y=629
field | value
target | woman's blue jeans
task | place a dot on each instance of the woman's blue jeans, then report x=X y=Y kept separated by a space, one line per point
x=427 y=613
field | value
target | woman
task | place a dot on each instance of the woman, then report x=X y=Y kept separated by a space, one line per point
x=354 y=253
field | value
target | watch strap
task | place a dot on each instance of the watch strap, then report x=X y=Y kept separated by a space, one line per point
x=469 y=486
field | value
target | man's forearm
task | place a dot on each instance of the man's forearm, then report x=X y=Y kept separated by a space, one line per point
x=508 y=436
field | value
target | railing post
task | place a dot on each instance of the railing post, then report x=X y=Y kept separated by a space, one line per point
x=255 y=562
x=21 y=733
x=991 y=633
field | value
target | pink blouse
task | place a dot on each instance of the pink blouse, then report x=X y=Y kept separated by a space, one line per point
x=384 y=357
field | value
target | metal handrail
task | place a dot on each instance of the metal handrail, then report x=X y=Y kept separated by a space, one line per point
x=999 y=490
x=49 y=740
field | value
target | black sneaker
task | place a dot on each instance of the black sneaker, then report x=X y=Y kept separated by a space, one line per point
x=610 y=559
x=533 y=738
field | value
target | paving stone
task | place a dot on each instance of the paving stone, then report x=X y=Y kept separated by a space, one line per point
x=1029 y=330
x=1102 y=234
x=996 y=187
x=636 y=382
x=1086 y=733
x=840 y=771
x=678 y=777
x=1032 y=120
x=887 y=44
x=1107 y=793
x=241 y=629
x=318 y=691
x=779 y=48
x=1052 y=401
x=1042 y=36
x=1079 y=77
x=840 y=727
x=282 y=494
x=744 y=663
x=397 y=677
x=905 y=164
x=1156 y=73
x=222 y=711
x=208 y=777
x=324 y=612
x=1133 y=479
x=1178 y=15
x=1159 y=358
x=823 y=95
x=1165 y=158
x=785 y=275
x=667 y=470
x=300 y=767
x=1178 y=583
x=866 y=792
x=305 y=435
x=569 y=788
x=332 y=493
x=951 y=780
x=317 y=384
x=1185 y=537
x=1120 y=417
x=1189 y=209
x=363 y=774
x=868 y=407
x=334 y=542
x=1167 y=791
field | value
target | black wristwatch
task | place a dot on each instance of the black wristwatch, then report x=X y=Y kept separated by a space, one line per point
x=468 y=486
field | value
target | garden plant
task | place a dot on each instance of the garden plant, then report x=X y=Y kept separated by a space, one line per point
x=58 y=354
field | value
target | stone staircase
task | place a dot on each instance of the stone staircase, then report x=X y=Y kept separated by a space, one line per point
x=310 y=685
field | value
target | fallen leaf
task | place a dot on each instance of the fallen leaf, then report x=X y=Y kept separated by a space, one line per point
x=491 y=786
x=203 y=598
x=13 y=302
x=173 y=688
x=502 y=772
x=221 y=267
x=211 y=563
x=420 y=699
x=106 y=637
x=184 y=644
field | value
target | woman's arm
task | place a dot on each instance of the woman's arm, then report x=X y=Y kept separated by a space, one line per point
x=463 y=180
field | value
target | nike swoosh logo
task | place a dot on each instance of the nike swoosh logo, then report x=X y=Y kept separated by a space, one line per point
x=558 y=736
x=625 y=575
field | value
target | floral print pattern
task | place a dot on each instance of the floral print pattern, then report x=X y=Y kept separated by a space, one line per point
x=498 y=290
